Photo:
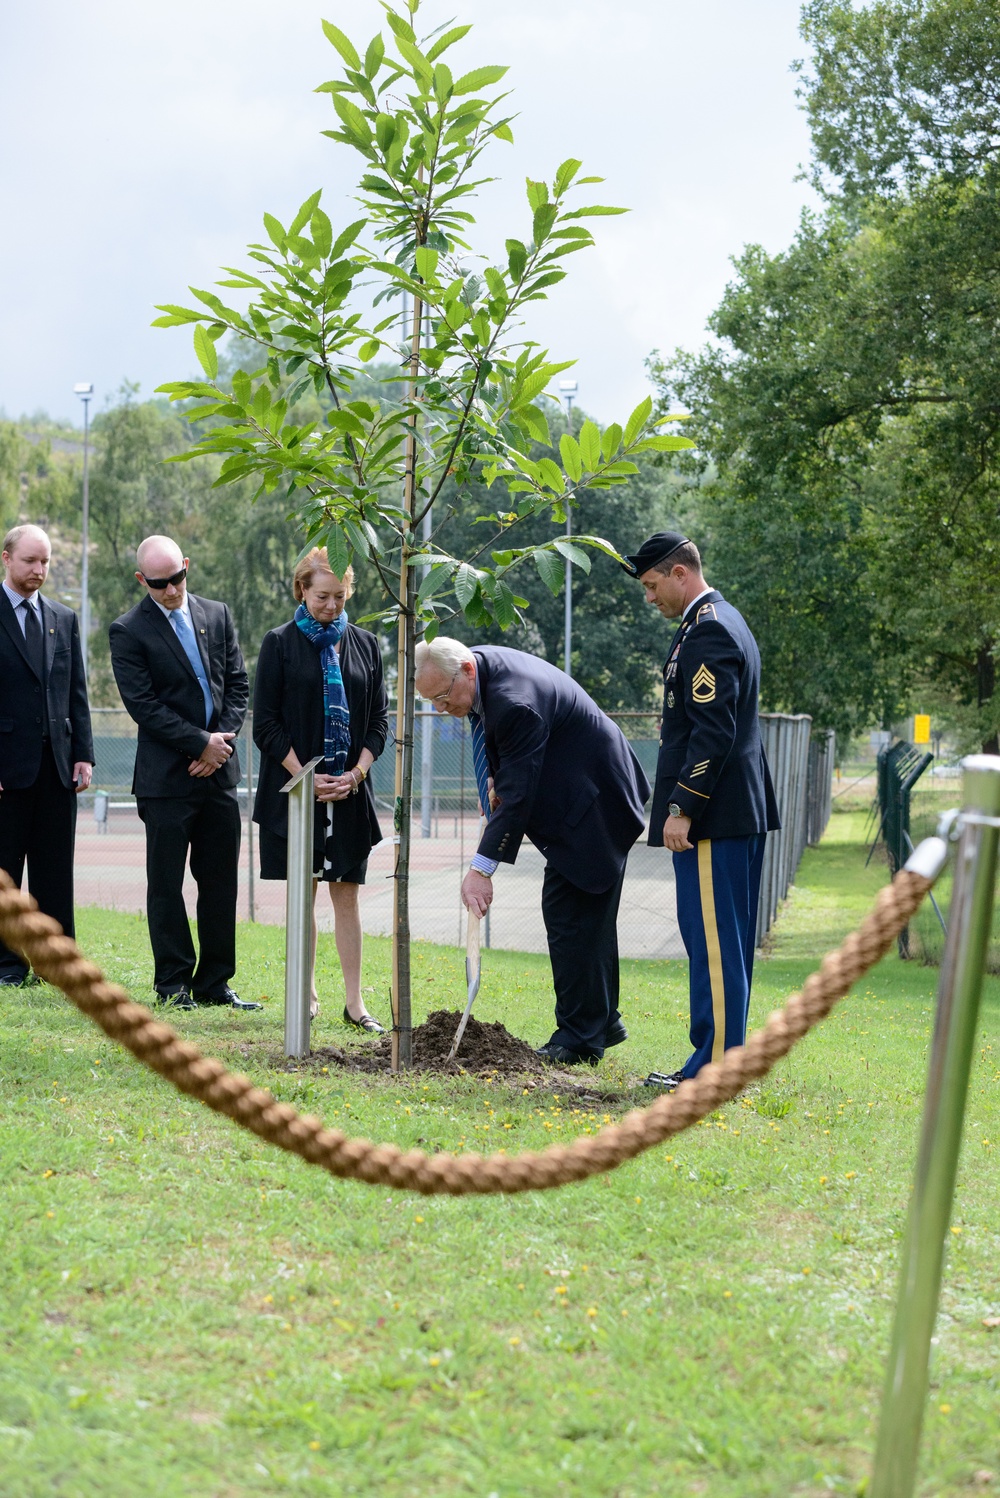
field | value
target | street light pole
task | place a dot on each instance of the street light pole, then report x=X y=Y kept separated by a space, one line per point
x=85 y=392
x=568 y=389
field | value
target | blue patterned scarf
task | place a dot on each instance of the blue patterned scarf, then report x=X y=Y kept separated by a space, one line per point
x=337 y=729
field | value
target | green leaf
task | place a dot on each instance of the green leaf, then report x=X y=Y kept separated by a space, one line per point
x=275 y=232
x=342 y=43
x=437 y=578
x=466 y=584
x=447 y=40
x=338 y=552
x=538 y=194
x=569 y=448
x=385 y=130
x=638 y=420
x=348 y=237
x=305 y=213
x=574 y=554
x=206 y=353
x=565 y=175
x=551 y=569
x=374 y=56
x=595 y=211
x=242 y=388
x=322 y=232
x=503 y=605
x=536 y=424
x=590 y=446
x=422 y=70
x=517 y=258
x=369 y=349
x=551 y=476
x=611 y=441
x=354 y=120
x=399 y=27
x=665 y=444
x=504 y=132
x=478 y=78
x=426 y=260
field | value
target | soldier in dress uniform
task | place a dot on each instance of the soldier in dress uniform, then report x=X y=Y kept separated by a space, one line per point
x=713 y=801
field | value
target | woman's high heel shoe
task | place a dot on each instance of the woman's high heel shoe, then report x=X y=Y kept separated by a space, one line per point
x=367 y=1022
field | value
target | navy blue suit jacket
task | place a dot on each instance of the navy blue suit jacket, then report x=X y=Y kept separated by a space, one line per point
x=163 y=695
x=563 y=771
x=711 y=760
x=65 y=689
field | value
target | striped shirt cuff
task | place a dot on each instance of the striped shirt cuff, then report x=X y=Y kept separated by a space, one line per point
x=484 y=865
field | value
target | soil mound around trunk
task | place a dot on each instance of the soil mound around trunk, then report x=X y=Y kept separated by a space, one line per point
x=486 y=1049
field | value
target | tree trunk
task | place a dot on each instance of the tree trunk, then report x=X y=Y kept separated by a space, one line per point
x=402 y=1012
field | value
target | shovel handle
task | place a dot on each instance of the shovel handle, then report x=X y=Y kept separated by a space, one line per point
x=472 y=945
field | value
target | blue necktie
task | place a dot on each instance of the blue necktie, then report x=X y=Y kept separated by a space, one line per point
x=189 y=644
x=480 y=763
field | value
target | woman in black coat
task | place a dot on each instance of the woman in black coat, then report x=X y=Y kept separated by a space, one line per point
x=319 y=690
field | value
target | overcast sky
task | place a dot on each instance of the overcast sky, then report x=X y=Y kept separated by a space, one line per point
x=143 y=143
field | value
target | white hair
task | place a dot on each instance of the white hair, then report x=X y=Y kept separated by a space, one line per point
x=442 y=654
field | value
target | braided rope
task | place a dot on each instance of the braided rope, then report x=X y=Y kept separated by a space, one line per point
x=58 y=960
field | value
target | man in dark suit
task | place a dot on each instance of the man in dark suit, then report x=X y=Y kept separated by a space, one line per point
x=46 y=748
x=713 y=802
x=551 y=767
x=181 y=676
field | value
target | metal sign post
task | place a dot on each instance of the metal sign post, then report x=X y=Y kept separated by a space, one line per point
x=301 y=794
x=959 y=989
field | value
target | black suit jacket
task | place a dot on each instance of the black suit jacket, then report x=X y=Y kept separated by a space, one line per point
x=564 y=772
x=163 y=695
x=65 y=689
x=711 y=760
x=288 y=714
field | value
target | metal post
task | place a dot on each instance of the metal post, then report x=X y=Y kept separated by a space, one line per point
x=952 y=1049
x=85 y=391
x=301 y=794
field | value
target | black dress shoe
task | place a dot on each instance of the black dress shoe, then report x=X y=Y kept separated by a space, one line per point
x=561 y=1055
x=664 y=1081
x=367 y=1022
x=11 y=980
x=615 y=1033
x=228 y=999
x=176 y=998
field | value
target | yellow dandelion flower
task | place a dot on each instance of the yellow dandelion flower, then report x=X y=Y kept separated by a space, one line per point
x=591 y=1310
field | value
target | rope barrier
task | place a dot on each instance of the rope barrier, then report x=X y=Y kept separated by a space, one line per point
x=58 y=960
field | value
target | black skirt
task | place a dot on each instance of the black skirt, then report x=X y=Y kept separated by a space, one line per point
x=274 y=861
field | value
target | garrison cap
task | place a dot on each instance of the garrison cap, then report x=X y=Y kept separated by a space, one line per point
x=656 y=549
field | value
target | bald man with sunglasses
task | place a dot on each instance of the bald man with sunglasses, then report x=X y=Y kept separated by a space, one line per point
x=181 y=676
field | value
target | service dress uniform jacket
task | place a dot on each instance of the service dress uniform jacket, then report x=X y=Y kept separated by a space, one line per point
x=44 y=731
x=185 y=815
x=288 y=713
x=567 y=780
x=711 y=765
x=711 y=760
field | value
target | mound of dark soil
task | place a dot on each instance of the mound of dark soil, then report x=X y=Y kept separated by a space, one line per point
x=488 y=1049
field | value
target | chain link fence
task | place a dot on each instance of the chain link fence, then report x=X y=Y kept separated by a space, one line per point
x=110 y=844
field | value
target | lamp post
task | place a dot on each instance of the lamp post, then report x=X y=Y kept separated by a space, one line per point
x=568 y=389
x=85 y=391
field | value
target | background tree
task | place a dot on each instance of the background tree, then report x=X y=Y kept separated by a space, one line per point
x=852 y=405
x=370 y=475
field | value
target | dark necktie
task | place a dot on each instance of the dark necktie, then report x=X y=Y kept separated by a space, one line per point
x=33 y=641
x=480 y=762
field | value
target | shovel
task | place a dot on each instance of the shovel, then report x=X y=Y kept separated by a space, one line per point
x=473 y=967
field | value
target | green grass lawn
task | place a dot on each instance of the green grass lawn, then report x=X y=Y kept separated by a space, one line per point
x=186 y=1311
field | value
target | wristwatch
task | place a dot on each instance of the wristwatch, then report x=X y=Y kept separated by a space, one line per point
x=674 y=810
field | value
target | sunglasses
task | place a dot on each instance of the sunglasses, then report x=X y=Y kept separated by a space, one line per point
x=159 y=583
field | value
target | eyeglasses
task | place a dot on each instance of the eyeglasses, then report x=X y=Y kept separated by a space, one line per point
x=159 y=583
x=442 y=697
